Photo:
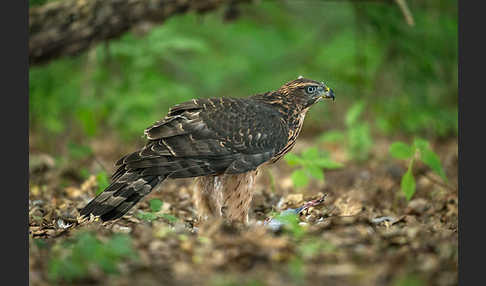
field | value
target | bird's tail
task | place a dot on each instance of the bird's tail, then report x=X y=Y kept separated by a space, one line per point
x=121 y=195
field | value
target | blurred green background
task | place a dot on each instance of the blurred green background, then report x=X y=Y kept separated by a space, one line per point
x=404 y=77
x=392 y=82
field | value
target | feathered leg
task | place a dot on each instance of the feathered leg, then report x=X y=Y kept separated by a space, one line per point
x=228 y=196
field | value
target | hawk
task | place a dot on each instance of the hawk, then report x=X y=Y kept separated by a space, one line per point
x=221 y=142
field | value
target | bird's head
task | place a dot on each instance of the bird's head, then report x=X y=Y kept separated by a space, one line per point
x=305 y=92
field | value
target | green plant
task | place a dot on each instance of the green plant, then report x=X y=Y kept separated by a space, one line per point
x=103 y=182
x=290 y=223
x=75 y=259
x=419 y=150
x=78 y=151
x=155 y=212
x=312 y=163
x=357 y=137
x=409 y=280
x=296 y=270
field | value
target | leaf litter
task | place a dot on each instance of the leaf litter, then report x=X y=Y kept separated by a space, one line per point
x=356 y=228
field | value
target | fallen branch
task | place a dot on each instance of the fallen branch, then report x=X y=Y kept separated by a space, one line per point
x=68 y=27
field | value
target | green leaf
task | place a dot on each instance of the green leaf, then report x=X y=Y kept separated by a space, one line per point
x=103 y=182
x=421 y=144
x=293 y=159
x=327 y=163
x=408 y=183
x=401 y=150
x=147 y=216
x=310 y=153
x=332 y=136
x=169 y=217
x=291 y=221
x=155 y=205
x=431 y=159
x=299 y=178
x=354 y=112
x=316 y=172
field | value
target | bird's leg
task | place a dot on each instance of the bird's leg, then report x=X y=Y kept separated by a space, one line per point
x=237 y=196
x=208 y=197
x=228 y=196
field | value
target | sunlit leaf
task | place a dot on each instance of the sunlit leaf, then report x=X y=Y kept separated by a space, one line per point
x=327 y=163
x=299 y=178
x=315 y=172
x=293 y=159
x=155 y=205
x=401 y=150
x=310 y=153
x=431 y=159
x=408 y=183
x=421 y=144
x=147 y=216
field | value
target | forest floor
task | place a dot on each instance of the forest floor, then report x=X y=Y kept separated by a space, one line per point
x=364 y=233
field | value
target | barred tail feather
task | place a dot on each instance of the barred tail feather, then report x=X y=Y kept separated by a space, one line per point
x=121 y=195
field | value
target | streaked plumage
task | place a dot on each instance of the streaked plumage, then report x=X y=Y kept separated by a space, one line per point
x=221 y=140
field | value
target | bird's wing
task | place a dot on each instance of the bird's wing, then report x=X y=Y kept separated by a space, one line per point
x=209 y=136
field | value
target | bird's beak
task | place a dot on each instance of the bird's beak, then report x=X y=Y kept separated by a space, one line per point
x=328 y=94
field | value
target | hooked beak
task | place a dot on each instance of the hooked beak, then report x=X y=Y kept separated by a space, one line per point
x=328 y=94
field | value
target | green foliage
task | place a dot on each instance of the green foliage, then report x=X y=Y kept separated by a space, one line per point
x=155 y=212
x=420 y=149
x=409 y=280
x=401 y=150
x=75 y=259
x=408 y=182
x=147 y=216
x=103 y=182
x=407 y=76
x=356 y=137
x=312 y=163
x=291 y=224
x=169 y=217
x=296 y=270
x=155 y=205
x=416 y=85
x=78 y=151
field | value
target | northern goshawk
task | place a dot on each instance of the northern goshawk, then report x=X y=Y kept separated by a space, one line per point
x=221 y=141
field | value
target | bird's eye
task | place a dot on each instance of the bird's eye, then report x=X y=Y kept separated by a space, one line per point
x=310 y=89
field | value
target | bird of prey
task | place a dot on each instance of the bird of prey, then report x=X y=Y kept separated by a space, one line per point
x=221 y=142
